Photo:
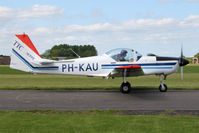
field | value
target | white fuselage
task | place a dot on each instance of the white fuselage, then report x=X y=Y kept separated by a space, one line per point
x=104 y=65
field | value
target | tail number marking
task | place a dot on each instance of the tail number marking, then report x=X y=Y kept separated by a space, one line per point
x=81 y=67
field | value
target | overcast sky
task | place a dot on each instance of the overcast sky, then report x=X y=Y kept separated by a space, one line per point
x=148 y=26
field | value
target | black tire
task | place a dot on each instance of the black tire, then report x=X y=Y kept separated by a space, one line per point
x=125 y=87
x=163 y=88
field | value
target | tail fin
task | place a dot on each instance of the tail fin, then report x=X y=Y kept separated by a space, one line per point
x=23 y=54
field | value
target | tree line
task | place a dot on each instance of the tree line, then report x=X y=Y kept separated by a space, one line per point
x=64 y=50
x=196 y=55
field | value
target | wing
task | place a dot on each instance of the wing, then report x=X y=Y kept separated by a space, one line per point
x=132 y=70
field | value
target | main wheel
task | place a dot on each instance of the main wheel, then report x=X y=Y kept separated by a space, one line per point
x=125 y=87
x=163 y=87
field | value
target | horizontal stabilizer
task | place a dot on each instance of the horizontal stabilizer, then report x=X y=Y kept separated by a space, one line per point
x=44 y=61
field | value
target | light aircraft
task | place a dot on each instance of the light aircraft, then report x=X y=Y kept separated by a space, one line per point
x=121 y=62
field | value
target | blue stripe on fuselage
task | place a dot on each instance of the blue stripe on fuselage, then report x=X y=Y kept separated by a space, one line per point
x=146 y=64
x=32 y=67
x=157 y=67
x=143 y=66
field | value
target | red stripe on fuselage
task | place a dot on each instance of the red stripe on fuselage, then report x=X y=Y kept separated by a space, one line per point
x=25 y=39
x=129 y=67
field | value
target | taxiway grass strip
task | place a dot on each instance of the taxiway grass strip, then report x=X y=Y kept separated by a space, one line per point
x=63 y=82
x=94 y=122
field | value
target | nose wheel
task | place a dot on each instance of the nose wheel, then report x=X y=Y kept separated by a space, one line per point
x=162 y=87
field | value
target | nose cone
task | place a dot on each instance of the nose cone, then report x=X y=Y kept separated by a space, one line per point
x=184 y=62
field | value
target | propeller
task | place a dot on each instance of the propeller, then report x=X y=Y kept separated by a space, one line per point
x=182 y=62
x=181 y=72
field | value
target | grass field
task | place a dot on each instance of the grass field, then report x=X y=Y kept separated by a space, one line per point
x=93 y=122
x=13 y=79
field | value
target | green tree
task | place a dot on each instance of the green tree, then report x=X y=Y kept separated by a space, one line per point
x=46 y=54
x=64 y=50
x=197 y=55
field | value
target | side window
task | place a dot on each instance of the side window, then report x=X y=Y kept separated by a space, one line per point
x=120 y=55
x=130 y=56
x=123 y=55
x=138 y=55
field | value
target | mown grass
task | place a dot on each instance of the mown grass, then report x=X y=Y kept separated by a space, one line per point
x=13 y=79
x=190 y=69
x=93 y=122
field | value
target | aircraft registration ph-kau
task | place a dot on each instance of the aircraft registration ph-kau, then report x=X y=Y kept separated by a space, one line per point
x=115 y=63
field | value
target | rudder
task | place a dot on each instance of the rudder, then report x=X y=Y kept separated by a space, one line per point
x=23 y=54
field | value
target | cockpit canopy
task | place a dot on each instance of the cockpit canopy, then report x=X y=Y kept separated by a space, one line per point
x=124 y=54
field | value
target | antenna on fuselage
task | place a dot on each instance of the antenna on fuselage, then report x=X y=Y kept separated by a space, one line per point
x=75 y=53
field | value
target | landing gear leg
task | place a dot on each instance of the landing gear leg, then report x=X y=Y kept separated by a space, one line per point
x=162 y=87
x=125 y=86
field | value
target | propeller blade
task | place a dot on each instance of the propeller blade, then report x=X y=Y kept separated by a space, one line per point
x=181 y=62
x=181 y=56
x=181 y=72
x=182 y=51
